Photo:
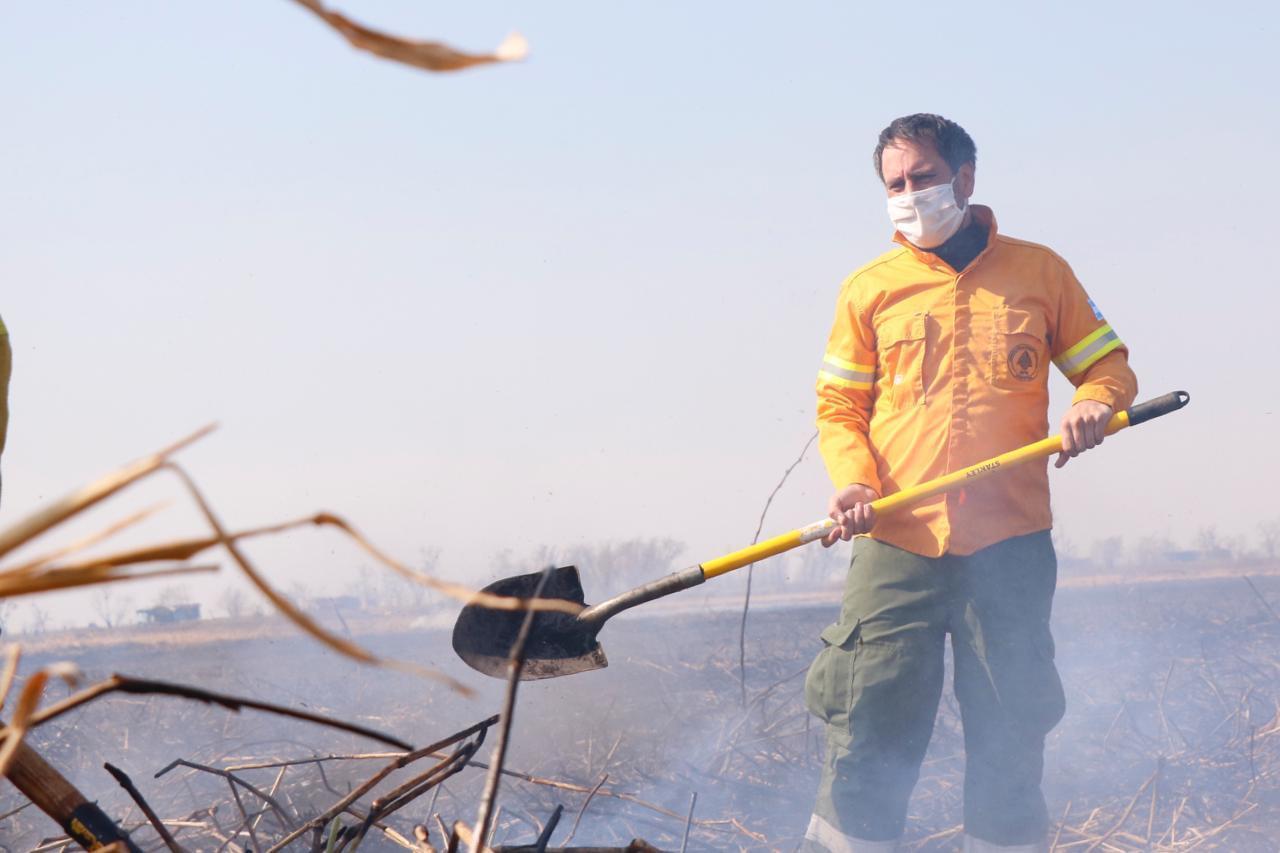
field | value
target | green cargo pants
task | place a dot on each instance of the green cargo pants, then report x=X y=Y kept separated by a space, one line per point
x=878 y=679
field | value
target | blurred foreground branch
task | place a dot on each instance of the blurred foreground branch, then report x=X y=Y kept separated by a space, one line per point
x=427 y=55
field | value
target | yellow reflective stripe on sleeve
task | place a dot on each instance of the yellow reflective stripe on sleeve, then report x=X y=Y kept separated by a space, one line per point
x=829 y=378
x=837 y=361
x=846 y=374
x=1088 y=339
x=1094 y=346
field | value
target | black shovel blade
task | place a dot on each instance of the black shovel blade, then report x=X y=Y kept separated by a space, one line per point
x=558 y=644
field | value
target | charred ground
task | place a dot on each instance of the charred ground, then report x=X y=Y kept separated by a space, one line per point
x=1171 y=741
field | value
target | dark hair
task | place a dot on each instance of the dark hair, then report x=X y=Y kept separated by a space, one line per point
x=949 y=138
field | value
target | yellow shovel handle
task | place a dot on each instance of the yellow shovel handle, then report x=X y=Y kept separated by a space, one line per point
x=1045 y=447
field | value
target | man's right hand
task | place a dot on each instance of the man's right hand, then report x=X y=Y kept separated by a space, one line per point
x=850 y=508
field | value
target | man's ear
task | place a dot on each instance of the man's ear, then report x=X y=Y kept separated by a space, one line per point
x=964 y=183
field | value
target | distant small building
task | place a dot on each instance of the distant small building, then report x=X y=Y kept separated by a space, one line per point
x=336 y=602
x=1203 y=555
x=162 y=614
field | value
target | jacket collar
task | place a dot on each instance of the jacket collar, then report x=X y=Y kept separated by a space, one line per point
x=980 y=213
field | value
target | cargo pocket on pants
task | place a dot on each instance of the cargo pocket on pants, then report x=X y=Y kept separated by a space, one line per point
x=828 y=687
x=1051 y=703
x=1025 y=679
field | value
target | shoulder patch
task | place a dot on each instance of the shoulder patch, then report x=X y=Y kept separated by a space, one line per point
x=1097 y=315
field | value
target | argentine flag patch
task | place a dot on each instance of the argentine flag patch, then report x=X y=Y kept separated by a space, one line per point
x=1097 y=315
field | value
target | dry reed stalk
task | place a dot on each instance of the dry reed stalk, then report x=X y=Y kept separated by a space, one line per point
x=12 y=654
x=89 y=541
x=44 y=573
x=688 y=822
x=142 y=686
x=245 y=824
x=15 y=811
x=319 y=759
x=578 y=820
x=1155 y=797
x=427 y=55
x=275 y=788
x=746 y=597
x=469 y=837
x=77 y=502
x=397 y=838
x=60 y=578
x=25 y=710
x=448 y=837
x=515 y=664
x=1053 y=845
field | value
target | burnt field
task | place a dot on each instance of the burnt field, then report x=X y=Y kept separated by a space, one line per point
x=1171 y=740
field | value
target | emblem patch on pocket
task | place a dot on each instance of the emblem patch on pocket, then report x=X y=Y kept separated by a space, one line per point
x=1024 y=362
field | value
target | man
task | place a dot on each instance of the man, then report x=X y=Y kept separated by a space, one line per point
x=938 y=358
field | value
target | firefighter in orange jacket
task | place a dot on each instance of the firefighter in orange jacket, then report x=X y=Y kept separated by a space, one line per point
x=937 y=359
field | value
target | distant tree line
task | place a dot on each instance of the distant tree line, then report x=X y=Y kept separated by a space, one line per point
x=611 y=567
x=1206 y=547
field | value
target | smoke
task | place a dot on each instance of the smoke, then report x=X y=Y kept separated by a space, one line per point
x=1178 y=679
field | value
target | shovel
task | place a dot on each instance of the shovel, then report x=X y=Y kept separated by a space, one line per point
x=560 y=644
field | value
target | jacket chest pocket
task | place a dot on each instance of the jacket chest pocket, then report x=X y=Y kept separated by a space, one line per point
x=1019 y=349
x=901 y=346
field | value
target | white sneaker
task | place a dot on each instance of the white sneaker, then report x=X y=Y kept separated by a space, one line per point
x=977 y=845
x=825 y=836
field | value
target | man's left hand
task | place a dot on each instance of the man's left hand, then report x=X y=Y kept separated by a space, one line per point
x=1083 y=426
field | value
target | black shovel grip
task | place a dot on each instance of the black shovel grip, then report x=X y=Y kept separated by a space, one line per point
x=1158 y=406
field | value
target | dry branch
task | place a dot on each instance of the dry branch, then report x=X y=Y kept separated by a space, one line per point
x=746 y=596
x=368 y=785
x=152 y=818
x=427 y=55
x=102 y=488
x=515 y=663
x=143 y=686
x=232 y=780
x=578 y=820
x=12 y=654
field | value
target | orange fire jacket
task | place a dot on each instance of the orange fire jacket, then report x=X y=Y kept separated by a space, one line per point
x=928 y=370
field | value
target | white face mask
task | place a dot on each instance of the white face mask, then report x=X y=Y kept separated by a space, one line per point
x=927 y=218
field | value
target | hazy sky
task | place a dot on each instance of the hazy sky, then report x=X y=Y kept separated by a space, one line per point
x=584 y=297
